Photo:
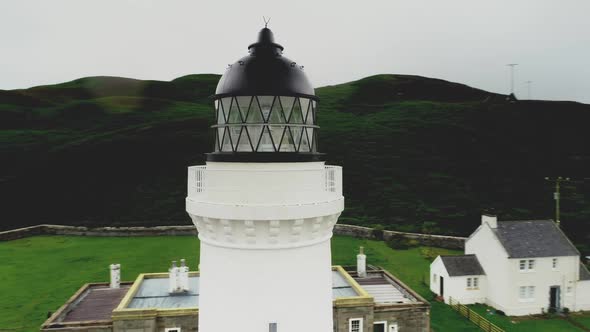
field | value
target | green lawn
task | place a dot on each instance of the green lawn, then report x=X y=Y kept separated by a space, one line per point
x=39 y=274
x=525 y=325
x=584 y=320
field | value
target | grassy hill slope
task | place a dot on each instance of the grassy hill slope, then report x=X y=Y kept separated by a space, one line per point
x=420 y=154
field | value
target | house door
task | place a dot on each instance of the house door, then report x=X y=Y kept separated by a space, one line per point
x=442 y=286
x=554 y=297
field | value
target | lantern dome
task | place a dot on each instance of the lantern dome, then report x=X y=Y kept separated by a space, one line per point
x=265 y=71
x=265 y=108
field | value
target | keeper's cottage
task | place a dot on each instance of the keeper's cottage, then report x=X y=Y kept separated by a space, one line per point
x=519 y=267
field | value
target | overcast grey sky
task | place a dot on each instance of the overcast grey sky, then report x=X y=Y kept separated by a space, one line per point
x=466 y=41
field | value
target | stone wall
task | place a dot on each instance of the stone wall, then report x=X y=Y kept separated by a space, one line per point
x=187 y=323
x=342 y=315
x=414 y=318
x=97 y=231
x=442 y=241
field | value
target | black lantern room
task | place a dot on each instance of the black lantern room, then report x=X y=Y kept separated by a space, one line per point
x=265 y=108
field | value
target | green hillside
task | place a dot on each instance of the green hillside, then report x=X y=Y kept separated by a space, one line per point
x=419 y=154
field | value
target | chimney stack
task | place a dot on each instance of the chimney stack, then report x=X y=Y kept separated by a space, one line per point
x=183 y=276
x=361 y=263
x=115 y=275
x=489 y=219
x=173 y=278
x=178 y=277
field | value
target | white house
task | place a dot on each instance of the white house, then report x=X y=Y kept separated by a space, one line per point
x=519 y=267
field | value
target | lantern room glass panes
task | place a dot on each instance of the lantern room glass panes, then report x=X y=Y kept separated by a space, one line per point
x=265 y=124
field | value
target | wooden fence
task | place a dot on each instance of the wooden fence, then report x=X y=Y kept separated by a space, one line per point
x=474 y=317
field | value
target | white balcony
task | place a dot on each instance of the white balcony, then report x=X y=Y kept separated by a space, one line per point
x=264 y=190
x=197 y=176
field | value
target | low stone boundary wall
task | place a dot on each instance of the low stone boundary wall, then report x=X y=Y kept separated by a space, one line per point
x=96 y=231
x=442 y=241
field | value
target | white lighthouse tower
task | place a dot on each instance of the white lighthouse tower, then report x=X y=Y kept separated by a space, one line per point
x=265 y=203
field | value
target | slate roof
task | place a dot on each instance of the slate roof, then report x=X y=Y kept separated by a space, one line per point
x=465 y=265
x=584 y=274
x=96 y=304
x=534 y=238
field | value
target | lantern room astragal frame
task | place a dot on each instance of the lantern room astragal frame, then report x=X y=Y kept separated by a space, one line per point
x=266 y=124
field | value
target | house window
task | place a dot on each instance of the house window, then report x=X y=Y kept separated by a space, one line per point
x=472 y=282
x=526 y=265
x=434 y=278
x=172 y=329
x=569 y=289
x=380 y=326
x=355 y=325
x=272 y=327
x=554 y=263
x=526 y=293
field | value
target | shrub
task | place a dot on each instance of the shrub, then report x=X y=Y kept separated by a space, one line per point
x=401 y=243
x=565 y=310
x=430 y=253
x=500 y=312
x=551 y=310
x=378 y=232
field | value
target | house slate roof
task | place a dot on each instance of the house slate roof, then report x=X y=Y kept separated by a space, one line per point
x=534 y=238
x=584 y=273
x=464 y=265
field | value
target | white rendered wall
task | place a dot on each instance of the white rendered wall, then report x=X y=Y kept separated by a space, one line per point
x=581 y=296
x=437 y=268
x=265 y=232
x=494 y=261
x=456 y=287
x=542 y=277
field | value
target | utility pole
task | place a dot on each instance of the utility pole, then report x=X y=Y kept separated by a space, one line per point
x=529 y=86
x=512 y=65
x=556 y=195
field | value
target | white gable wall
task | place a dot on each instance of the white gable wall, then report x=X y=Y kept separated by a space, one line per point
x=437 y=269
x=494 y=260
